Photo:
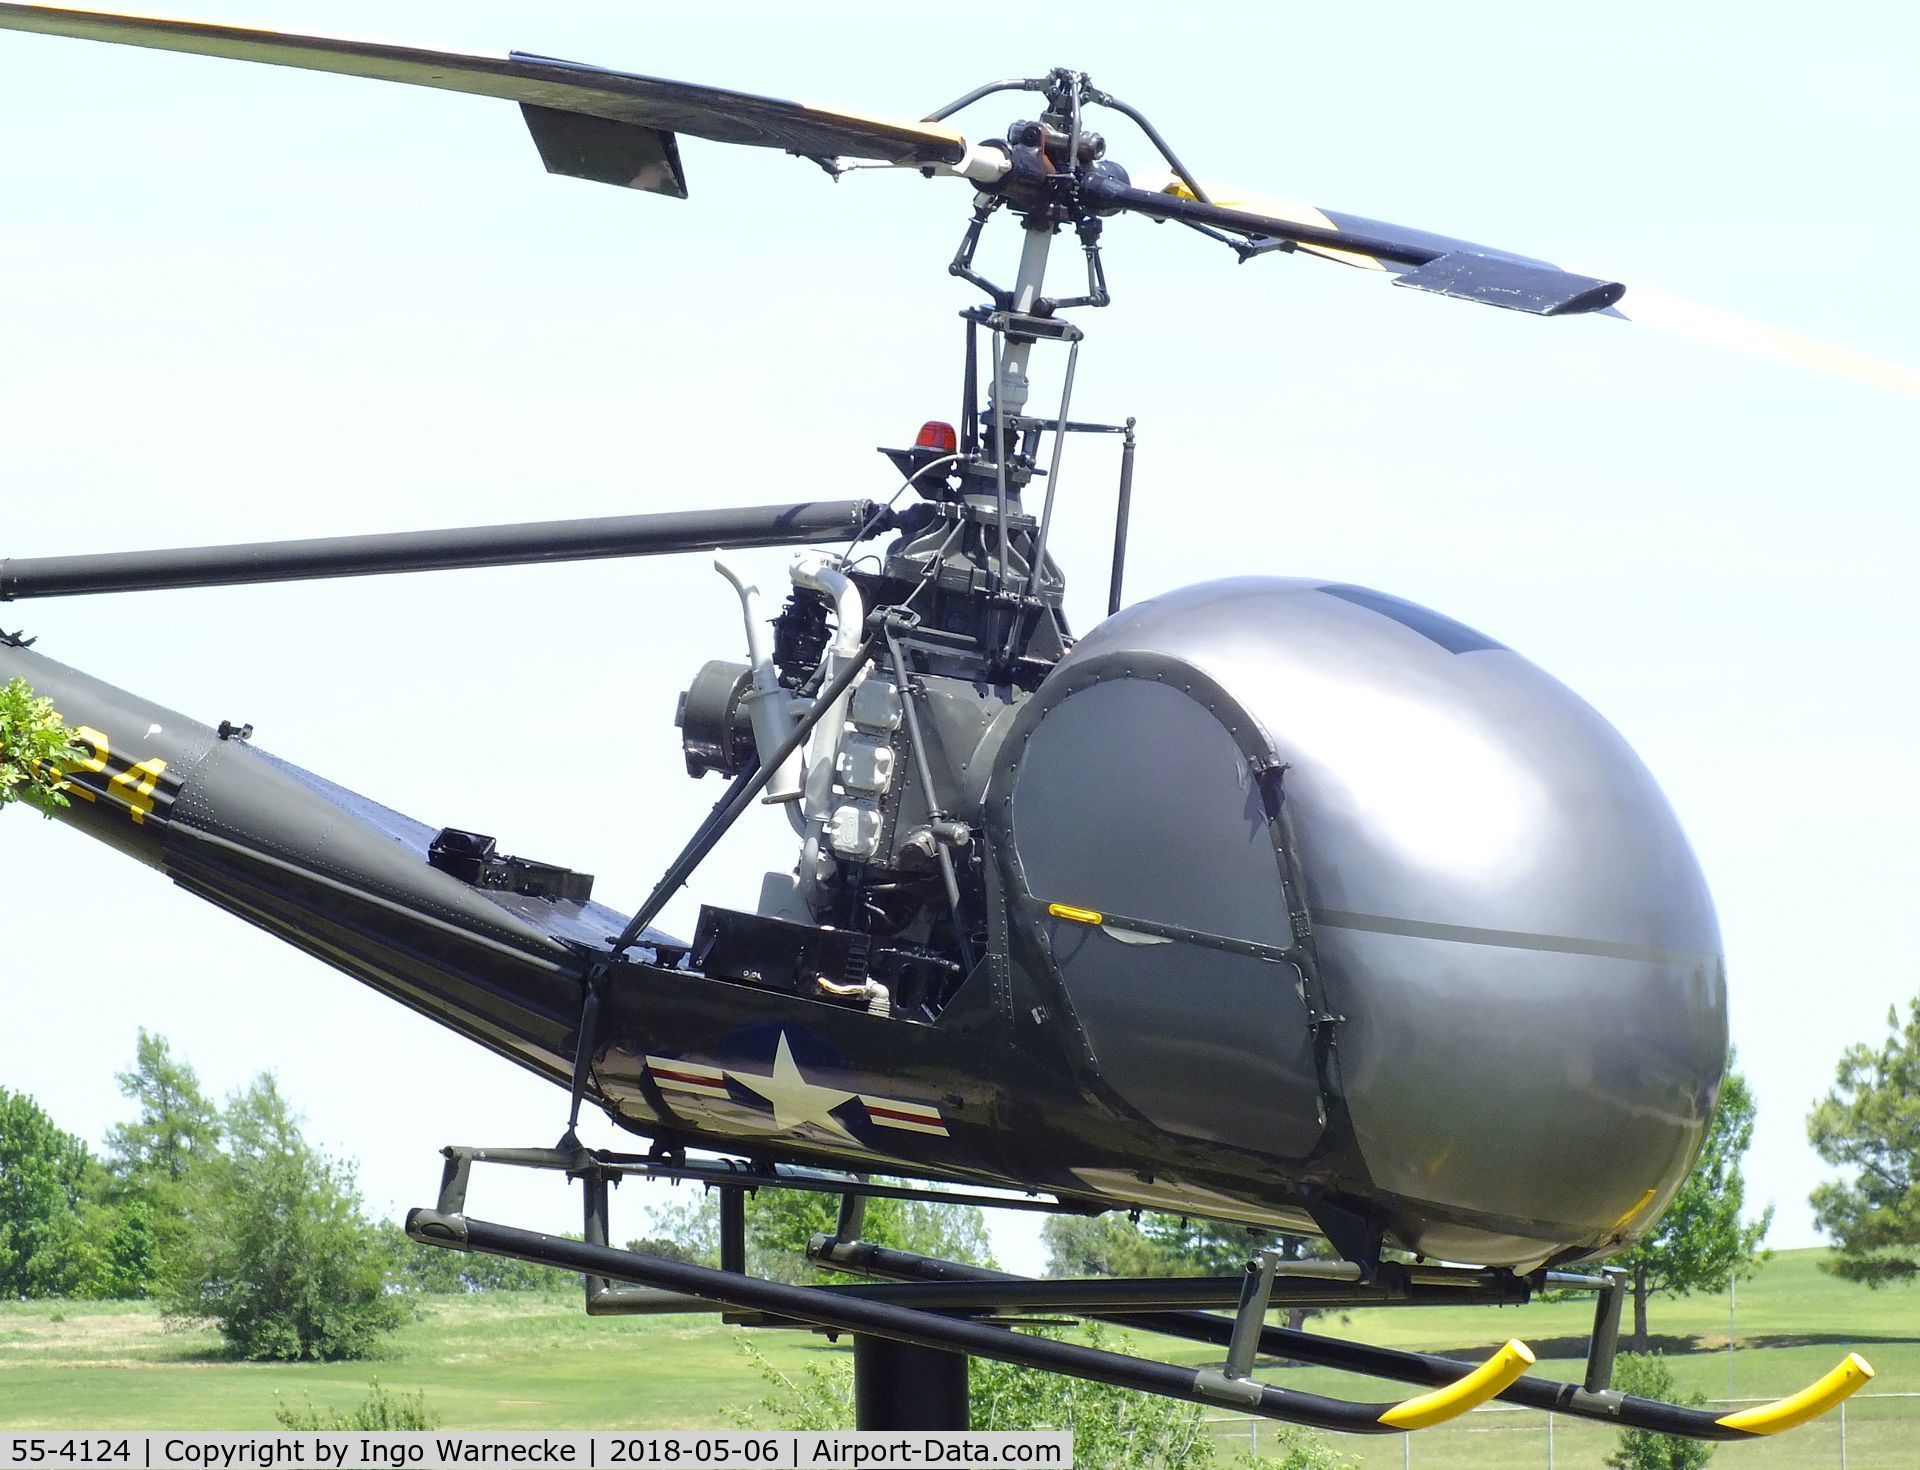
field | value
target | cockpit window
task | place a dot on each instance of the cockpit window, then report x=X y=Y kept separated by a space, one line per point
x=1452 y=636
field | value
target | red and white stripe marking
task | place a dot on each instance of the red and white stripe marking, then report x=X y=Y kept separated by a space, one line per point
x=697 y=1079
x=673 y=1075
x=887 y=1112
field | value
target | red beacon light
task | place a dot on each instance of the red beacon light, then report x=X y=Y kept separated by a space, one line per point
x=936 y=435
x=935 y=444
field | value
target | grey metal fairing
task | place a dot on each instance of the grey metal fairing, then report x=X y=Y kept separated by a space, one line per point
x=1505 y=913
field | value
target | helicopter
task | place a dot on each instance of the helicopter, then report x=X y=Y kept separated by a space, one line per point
x=1128 y=920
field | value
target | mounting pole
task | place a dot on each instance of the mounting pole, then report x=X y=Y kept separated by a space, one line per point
x=897 y=1385
x=733 y=1228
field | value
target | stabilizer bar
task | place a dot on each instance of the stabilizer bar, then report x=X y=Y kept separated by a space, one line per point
x=841 y=1313
x=601 y=537
x=1628 y=1410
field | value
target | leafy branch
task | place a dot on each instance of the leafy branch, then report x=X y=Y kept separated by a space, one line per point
x=36 y=750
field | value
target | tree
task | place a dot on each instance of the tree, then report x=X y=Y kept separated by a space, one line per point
x=431 y=1268
x=1167 y=1245
x=60 y=1233
x=1161 y=1245
x=277 y=1252
x=1145 y=1245
x=45 y=1197
x=780 y=1222
x=1648 y=1376
x=178 y=1127
x=1701 y=1243
x=33 y=748
x=1209 y=1248
x=152 y=1162
x=1870 y=1124
x=122 y=1249
x=1106 y=1245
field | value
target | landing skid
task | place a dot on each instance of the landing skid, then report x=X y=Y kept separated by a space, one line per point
x=916 y=1321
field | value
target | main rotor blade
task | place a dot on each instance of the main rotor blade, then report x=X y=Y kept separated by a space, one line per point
x=660 y=533
x=539 y=83
x=1420 y=259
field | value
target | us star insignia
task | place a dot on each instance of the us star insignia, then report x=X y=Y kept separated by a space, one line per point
x=783 y=1100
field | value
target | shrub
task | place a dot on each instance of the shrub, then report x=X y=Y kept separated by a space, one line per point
x=1114 y=1428
x=381 y=1409
x=1648 y=1375
x=278 y=1254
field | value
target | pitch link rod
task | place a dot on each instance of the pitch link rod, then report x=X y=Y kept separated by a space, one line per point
x=1628 y=1410
x=977 y=1339
x=658 y=534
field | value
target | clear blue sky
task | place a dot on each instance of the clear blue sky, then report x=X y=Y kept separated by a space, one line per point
x=243 y=303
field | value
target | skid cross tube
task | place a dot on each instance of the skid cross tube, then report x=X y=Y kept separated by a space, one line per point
x=1626 y=1410
x=840 y=1313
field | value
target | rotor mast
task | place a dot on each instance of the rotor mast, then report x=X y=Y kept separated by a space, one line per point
x=1010 y=386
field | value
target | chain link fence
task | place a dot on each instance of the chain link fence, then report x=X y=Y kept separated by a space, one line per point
x=1870 y=1431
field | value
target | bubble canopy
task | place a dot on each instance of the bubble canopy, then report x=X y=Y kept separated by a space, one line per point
x=1504 y=914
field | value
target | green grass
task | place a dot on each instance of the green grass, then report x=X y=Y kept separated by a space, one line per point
x=516 y=1361
x=535 y=1362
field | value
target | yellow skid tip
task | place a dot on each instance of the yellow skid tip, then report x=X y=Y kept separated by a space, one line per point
x=1490 y=1378
x=1810 y=1403
x=1069 y=912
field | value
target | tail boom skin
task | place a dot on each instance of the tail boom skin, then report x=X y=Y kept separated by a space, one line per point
x=330 y=872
